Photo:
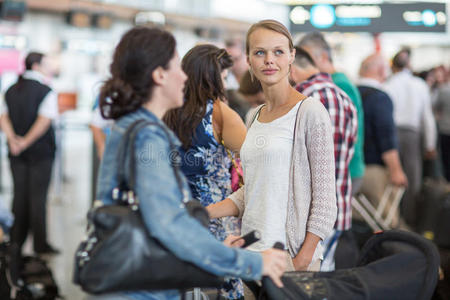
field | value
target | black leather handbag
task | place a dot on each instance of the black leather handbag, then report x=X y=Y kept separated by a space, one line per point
x=120 y=254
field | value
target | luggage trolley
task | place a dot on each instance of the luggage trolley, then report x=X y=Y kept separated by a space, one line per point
x=374 y=216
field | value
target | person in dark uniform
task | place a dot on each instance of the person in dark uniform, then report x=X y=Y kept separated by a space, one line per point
x=27 y=122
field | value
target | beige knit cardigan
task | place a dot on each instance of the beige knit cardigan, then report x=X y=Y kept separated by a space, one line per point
x=312 y=187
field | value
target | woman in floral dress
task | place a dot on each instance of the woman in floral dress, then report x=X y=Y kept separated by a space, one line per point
x=206 y=125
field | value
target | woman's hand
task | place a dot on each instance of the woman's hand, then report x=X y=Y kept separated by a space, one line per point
x=301 y=262
x=304 y=257
x=274 y=265
x=234 y=241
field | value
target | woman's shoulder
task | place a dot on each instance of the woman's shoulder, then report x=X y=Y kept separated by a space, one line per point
x=313 y=111
x=313 y=105
x=153 y=129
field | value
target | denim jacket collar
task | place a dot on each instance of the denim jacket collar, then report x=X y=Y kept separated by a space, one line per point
x=143 y=114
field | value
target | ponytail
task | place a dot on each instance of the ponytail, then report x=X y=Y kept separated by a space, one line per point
x=118 y=98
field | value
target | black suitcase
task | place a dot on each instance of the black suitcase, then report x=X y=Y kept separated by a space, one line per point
x=434 y=211
x=442 y=227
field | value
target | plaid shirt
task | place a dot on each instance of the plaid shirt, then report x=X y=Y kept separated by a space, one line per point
x=344 y=123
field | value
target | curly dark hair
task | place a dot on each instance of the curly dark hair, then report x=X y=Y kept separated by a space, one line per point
x=203 y=65
x=140 y=51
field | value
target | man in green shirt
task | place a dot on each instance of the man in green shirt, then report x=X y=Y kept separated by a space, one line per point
x=357 y=166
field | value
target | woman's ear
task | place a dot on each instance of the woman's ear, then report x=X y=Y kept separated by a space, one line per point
x=293 y=51
x=159 y=76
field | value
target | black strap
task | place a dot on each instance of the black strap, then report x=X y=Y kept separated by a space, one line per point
x=128 y=141
x=256 y=115
x=121 y=178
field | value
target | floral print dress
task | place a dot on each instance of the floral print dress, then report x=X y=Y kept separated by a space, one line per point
x=206 y=166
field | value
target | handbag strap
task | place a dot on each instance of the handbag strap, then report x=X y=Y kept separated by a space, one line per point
x=128 y=141
x=256 y=115
x=121 y=178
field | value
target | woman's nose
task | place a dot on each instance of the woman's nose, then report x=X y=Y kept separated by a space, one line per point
x=268 y=58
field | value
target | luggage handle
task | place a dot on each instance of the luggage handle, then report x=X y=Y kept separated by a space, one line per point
x=373 y=216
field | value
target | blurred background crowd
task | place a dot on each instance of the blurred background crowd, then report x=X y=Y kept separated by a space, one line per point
x=397 y=54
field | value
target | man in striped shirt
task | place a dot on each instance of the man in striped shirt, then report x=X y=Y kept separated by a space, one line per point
x=311 y=82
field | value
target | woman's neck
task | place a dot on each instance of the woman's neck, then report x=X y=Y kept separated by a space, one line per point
x=278 y=95
x=156 y=108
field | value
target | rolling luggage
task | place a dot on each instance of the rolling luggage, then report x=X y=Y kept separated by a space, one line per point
x=434 y=211
x=393 y=265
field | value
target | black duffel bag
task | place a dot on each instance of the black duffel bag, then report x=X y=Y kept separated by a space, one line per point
x=120 y=254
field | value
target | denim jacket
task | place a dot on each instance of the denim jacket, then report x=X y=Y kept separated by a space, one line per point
x=162 y=209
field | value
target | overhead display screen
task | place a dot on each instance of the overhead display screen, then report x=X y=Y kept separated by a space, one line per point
x=393 y=17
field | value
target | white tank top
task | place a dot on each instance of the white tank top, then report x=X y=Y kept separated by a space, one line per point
x=266 y=158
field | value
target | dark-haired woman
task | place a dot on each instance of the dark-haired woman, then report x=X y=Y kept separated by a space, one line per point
x=201 y=125
x=147 y=81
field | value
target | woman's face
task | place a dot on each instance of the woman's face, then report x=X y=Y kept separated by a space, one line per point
x=176 y=80
x=269 y=56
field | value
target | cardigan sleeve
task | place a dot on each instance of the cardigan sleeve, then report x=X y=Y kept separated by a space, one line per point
x=238 y=198
x=320 y=150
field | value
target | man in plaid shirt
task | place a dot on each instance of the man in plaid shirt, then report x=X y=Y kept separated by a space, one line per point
x=311 y=82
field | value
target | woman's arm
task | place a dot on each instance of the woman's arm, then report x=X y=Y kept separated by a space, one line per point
x=234 y=130
x=323 y=207
x=224 y=208
x=169 y=222
x=320 y=150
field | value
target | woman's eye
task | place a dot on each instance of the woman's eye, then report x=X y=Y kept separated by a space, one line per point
x=259 y=52
x=279 y=52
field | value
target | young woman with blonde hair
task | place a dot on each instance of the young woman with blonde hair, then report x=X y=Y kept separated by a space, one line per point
x=287 y=157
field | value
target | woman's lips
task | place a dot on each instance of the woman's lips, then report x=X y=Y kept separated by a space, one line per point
x=269 y=71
